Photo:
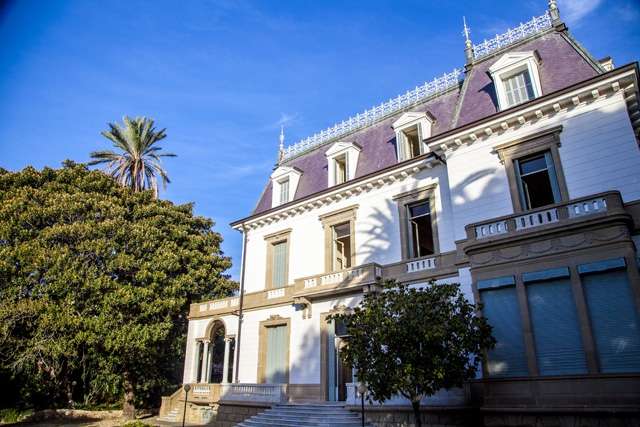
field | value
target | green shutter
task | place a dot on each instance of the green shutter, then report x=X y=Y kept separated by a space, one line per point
x=279 y=272
x=276 y=361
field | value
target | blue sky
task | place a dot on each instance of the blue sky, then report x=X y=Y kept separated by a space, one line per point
x=222 y=76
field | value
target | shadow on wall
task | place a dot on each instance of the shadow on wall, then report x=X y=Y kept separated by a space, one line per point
x=381 y=236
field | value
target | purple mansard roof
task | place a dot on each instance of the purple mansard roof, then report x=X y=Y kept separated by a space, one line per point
x=562 y=64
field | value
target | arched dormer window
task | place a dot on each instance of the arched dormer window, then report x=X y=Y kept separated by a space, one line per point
x=516 y=78
x=284 y=181
x=342 y=160
x=411 y=130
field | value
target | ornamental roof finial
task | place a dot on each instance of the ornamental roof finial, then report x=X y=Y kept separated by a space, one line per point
x=281 y=147
x=554 y=12
x=468 y=45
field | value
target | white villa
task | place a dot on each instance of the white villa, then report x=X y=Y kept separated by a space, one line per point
x=517 y=177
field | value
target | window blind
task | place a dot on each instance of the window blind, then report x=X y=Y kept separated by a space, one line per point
x=279 y=278
x=276 y=363
x=614 y=320
x=556 y=329
x=507 y=358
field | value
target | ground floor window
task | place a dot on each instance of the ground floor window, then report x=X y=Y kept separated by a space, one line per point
x=545 y=303
x=508 y=357
x=614 y=320
x=556 y=329
x=276 y=363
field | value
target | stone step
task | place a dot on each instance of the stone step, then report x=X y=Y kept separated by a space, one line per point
x=305 y=412
x=305 y=415
x=269 y=423
x=314 y=418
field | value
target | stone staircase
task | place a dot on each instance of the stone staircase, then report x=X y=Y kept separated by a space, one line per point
x=173 y=416
x=305 y=414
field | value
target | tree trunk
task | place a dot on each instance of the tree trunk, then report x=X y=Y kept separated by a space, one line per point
x=415 y=404
x=128 y=406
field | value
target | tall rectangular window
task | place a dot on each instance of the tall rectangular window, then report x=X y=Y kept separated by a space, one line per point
x=411 y=142
x=508 y=357
x=284 y=191
x=614 y=319
x=341 y=246
x=537 y=181
x=340 y=169
x=518 y=88
x=556 y=329
x=420 y=230
x=276 y=358
x=279 y=267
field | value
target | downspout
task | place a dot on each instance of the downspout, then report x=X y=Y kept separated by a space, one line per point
x=239 y=335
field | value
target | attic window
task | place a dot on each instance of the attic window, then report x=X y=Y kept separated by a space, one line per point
x=411 y=140
x=518 y=88
x=284 y=191
x=340 y=169
x=342 y=161
x=285 y=182
x=411 y=129
x=516 y=78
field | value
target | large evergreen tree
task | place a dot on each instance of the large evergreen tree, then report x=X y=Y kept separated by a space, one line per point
x=95 y=284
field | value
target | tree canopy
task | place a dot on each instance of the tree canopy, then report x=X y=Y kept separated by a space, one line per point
x=95 y=284
x=414 y=341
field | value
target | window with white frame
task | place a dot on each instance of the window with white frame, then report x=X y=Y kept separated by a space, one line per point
x=411 y=129
x=284 y=191
x=284 y=181
x=342 y=161
x=340 y=169
x=516 y=78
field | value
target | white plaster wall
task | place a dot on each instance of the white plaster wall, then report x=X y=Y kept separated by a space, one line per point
x=197 y=329
x=598 y=153
x=377 y=231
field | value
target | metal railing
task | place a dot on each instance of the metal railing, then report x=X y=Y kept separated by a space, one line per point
x=536 y=25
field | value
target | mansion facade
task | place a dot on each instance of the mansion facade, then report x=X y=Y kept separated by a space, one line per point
x=517 y=177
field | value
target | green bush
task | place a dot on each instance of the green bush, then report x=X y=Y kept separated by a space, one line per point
x=14 y=415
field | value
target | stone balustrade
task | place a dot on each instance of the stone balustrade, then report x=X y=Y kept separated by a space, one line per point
x=263 y=393
x=557 y=215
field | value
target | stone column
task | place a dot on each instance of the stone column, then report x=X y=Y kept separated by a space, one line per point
x=225 y=363
x=205 y=359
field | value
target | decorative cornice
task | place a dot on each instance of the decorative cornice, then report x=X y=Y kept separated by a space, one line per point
x=398 y=173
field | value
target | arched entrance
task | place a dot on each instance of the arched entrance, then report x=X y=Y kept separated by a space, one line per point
x=215 y=355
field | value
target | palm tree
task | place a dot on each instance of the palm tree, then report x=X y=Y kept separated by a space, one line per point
x=137 y=163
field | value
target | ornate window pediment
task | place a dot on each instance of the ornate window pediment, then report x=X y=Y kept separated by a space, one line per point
x=412 y=129
x=342 y=158
x=516 y=78
x=284 y=181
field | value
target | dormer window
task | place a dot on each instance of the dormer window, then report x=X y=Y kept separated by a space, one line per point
x=284 y=191
x=284 y=181
x=411 y=129
x=518 y=88
x=340 y=169
x=516 y=78
x=342 y=161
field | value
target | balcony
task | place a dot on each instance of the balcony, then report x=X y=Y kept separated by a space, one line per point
x=550 y=219
x=334 y=282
